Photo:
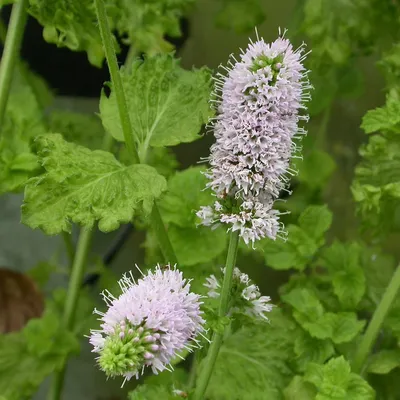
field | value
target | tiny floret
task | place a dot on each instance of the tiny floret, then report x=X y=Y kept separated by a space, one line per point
x=246 y=297
x=258 y=105
x=150 y=323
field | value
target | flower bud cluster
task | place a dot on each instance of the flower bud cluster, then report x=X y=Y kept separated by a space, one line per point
x=258 y=111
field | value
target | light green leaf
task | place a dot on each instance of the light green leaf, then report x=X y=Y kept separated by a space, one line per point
x=309 y=349
x=299 y=389
x=84 y=186
x=315 y=220
x=167 y=104
x=384 y=118
x=296 y=252
x=83 y=129
x=27 y=357
x=335 y=381
x=185 y=196
x=384 y=361
x=70 y=24
x=348 y=279
x=253 y=363
x=309 y=313
x=240 y=15
x=152 y=392
x=197 y=245
x=144 y=24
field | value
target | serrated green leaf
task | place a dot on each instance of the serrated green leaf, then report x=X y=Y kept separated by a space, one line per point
x=296 y=252
x=335 y=381
x=240 y=15
x=27 y=357
x=144 y=24
x=197 y=245
x=185 y=196
x=309 y=349
x=299 y=389
x=253 y=363
x=315 y=220
x=348 y=279
x=308 y=311
x=70 y=24
x=167 y=104
x=83 y=129
x=152 y=392
x=384 y=361
x=84 y=186
x=384 y=118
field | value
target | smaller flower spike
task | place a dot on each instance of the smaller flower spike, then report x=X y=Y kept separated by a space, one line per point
x=148 y=324
x=258 y=105
x=246 y=297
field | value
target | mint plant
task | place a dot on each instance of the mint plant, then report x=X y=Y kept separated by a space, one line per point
x=196 y=320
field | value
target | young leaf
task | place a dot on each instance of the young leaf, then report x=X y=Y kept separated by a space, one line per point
x=253 y=363
x=144 y=24
x=84 y=186
x=335 y=381
x=70 y=24
x=167 y=104
x=348 y=279
x=386 y=118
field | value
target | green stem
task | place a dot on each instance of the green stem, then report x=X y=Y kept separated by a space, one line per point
x=78 y=269
x=108 y=44
x=12 y=46
x=375 y=324
x=69 y=246
x=217 y=338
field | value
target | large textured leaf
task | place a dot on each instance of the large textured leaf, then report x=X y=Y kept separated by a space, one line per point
x=167 y=105
x=86 y=186
x=253 y=363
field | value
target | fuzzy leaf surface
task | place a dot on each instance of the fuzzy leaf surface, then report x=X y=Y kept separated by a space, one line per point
x=167 y=104
x=84 y=186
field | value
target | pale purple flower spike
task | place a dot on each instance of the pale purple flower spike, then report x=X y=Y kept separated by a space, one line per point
x=258 y=104
x=152 y=321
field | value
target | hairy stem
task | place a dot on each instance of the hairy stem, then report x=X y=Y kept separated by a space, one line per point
x=78 y=268
x=12 y=46
x=217 y=338
x=107 y=38
x=375 y=324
